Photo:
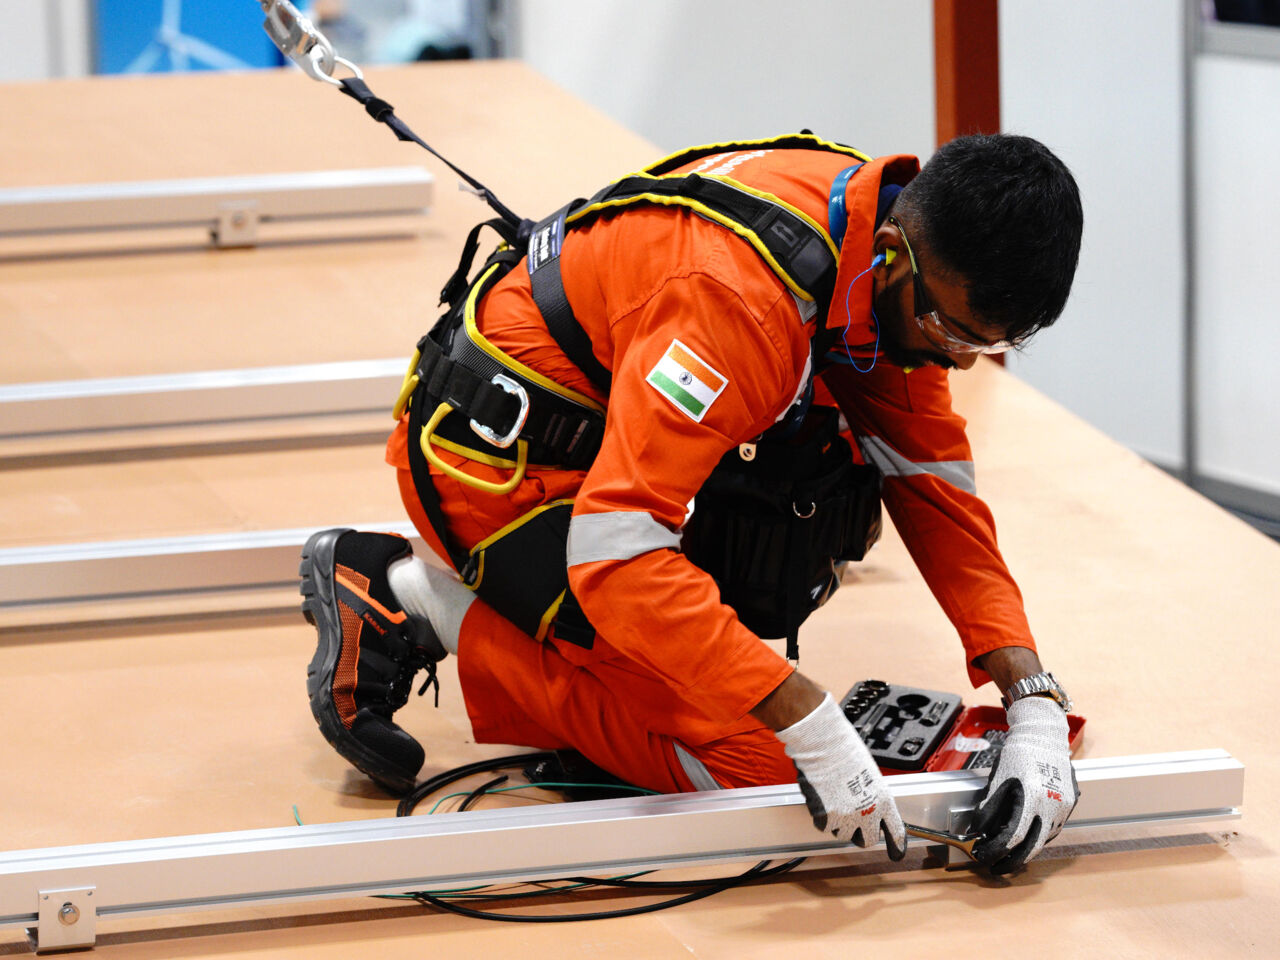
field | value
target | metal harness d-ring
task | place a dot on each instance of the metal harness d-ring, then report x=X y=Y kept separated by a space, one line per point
x=507 y=439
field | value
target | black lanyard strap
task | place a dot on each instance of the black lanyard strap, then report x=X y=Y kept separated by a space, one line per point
x=383 y=112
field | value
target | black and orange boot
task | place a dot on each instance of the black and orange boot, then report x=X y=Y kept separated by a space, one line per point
x=368 y=652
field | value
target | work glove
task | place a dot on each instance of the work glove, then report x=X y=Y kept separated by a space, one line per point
x=1032 y=789
x=842 y=785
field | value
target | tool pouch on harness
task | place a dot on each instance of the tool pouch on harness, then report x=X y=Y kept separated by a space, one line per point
x=777 y=517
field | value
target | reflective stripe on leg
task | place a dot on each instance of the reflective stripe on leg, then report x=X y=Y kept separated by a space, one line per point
x=695 y=770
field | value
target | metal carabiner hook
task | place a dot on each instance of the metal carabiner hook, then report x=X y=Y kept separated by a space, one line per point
x=299 y=40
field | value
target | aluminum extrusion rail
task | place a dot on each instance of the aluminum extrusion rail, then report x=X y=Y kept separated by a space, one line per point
x=365 y=857
x=230 y=208
x=164 y=566
x=54 y=407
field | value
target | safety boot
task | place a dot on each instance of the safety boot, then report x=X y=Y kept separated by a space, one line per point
x=368 y=653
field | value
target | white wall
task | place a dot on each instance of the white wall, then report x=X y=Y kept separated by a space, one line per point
x=1101 y=84
x=43 y=38
x=1237 y=227
x=681 y=73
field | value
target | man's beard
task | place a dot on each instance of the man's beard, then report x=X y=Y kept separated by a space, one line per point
x=891 y=325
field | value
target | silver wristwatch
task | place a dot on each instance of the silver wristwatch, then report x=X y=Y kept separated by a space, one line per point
x=1042 y=684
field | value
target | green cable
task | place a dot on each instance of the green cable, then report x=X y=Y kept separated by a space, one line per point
x=296 y=817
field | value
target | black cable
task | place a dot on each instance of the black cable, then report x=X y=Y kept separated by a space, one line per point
x=711 y=887
x=703 y=888
x=480 y=791
x=676 y=884
x=429 y=786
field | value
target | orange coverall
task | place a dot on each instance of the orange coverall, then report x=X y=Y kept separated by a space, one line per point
x=663 y=697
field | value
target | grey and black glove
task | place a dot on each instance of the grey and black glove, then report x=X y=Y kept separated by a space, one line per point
x=1032 y=789
x=843 y=787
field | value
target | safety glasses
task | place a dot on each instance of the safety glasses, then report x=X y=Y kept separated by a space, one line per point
x=930 y=320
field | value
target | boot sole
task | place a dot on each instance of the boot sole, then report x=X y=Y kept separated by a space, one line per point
x=320 y=608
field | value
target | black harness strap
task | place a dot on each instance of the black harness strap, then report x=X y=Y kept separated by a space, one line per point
x=548 y=293
x=796 y=246
x=559 y=431
x=799 y=248
x=427 y=496
x=456 y=285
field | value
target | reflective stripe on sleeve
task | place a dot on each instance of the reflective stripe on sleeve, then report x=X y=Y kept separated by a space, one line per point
x=619 y=535
x=808 y=309
x=958 y=473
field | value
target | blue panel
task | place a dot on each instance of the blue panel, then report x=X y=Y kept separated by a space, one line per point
x=129 y=29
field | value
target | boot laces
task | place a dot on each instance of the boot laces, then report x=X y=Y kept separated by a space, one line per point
x=401 y=685
x=431 y=680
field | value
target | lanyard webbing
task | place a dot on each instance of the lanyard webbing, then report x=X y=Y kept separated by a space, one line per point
x=383 y=112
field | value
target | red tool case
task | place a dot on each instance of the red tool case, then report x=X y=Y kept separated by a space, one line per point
x=909 y=729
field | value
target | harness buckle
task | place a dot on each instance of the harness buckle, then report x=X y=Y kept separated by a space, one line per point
x=508 y=385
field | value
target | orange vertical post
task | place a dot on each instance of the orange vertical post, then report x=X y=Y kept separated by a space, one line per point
x=966 y=53
x=966 y=58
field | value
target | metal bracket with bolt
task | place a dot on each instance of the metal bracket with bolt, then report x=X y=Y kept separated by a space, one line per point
x=67 y=919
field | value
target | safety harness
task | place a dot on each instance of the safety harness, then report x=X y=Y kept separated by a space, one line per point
x=776 y=516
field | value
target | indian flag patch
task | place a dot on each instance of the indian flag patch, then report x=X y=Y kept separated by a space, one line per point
x=686 y=380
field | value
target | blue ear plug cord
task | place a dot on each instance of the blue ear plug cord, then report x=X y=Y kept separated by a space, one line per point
x=879 y=259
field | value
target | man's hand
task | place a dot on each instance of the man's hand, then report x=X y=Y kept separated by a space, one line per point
x=842 y=785
x=1032 y=789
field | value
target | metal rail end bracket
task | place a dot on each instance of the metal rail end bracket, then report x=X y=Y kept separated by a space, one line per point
x=67 y=919
x=237 y=225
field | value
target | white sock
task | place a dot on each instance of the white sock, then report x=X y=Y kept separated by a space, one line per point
x=431 y=593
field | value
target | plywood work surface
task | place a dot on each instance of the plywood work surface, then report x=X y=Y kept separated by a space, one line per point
x=184 y=310
x=1157 y=610
x=187 y=310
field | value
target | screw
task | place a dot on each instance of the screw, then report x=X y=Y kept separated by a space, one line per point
x=69 y=913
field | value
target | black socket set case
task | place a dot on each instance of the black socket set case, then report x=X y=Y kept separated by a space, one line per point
x=901 y=726
x=910 y=729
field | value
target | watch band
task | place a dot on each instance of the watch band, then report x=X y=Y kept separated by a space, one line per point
x=1038 y=684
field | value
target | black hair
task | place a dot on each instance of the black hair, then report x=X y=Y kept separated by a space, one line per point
x=1003 y=213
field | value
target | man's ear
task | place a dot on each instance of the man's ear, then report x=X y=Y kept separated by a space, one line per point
x=886 y=243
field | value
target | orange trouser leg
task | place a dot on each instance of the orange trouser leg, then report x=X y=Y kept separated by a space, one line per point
x=609 y=709
x=554 y=695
